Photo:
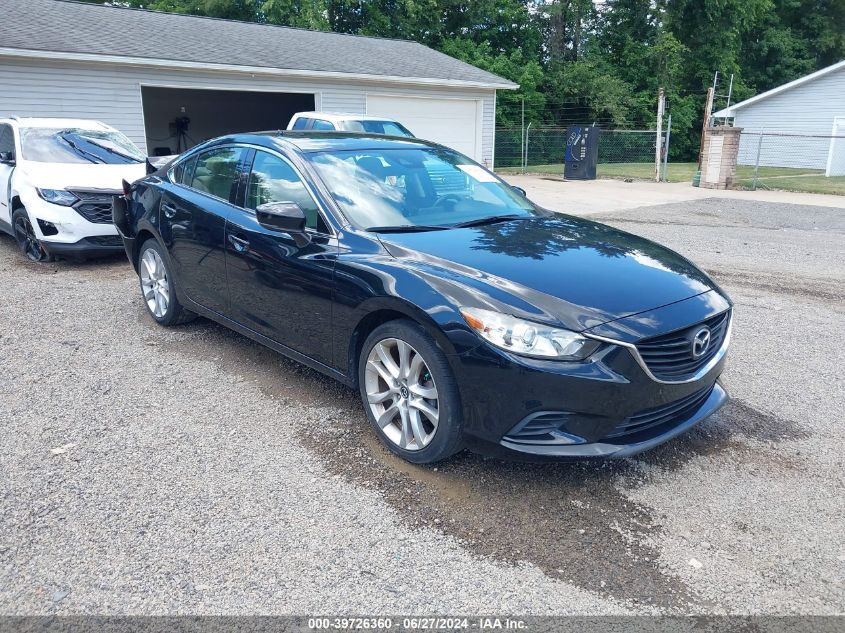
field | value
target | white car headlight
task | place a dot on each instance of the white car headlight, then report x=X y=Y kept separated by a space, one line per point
x=528 y=338
x=58 y=196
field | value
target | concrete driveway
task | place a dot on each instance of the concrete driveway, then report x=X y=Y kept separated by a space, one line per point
x=158 y=471
x=588 y=197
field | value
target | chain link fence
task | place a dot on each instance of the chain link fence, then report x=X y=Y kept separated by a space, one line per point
x=622 y=153
x=792 y=161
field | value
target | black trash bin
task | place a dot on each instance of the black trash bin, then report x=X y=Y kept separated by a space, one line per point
x=582 y=152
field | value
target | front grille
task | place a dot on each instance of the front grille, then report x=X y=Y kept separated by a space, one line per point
x=95 y=206
x=669 y=357
x=106 y=240
x=674 y=412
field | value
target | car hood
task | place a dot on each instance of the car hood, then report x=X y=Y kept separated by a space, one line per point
x=81 y=176
x=558 y=269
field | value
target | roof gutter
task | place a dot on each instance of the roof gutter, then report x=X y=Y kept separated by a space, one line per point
x=142 y=62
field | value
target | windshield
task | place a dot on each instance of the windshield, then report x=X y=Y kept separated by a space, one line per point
x=390 y=128
x=415 y=188
x=77 y=145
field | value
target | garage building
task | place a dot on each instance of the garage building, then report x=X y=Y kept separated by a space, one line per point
x=803 y=120
x=170 y=81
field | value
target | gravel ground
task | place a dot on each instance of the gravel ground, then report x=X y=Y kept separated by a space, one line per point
x=151 y=471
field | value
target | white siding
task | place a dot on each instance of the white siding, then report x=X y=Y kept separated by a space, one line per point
x=112 y=93
x=808 y=108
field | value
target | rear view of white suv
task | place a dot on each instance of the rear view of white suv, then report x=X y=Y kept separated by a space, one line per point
x=327 y=121
x=57 y=179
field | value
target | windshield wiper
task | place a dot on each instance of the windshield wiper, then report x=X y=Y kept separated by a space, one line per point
x=111 y=150
x=407 y=228
x=82 y=152
x=493 y=219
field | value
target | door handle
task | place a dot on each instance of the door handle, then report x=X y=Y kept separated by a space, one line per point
x=239 y=244
x=168 y=209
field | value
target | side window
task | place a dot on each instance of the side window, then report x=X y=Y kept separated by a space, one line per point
x=301 y=123
x=216 y=171
x=7 y=139
x=274 y=180
x=319 y=124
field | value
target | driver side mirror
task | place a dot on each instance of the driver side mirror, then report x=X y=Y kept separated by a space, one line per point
x=283 y=216
x=7 y=158
x=520 y=191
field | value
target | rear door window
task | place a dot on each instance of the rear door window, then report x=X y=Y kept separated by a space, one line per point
x=216 y=172
x=301 y=123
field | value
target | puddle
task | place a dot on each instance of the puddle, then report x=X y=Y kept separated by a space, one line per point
x=827 y=291
x=572 y=520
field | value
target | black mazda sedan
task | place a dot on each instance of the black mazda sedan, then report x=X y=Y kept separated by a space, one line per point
x=464 y=314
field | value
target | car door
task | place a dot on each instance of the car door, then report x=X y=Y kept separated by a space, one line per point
x=193 y=213
x=7 y=147
x=281 y=285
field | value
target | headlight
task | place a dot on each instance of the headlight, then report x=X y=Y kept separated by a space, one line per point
x=528 y=338
x=58 y=196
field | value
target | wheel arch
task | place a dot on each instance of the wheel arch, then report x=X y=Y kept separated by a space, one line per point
x=142 y=236
x=381 y=311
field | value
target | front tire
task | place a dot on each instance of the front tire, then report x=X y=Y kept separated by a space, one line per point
x=157 y=286
x=409 y=393
x=30 y=246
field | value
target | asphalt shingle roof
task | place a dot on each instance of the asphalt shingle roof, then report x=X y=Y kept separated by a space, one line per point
x=73 y=27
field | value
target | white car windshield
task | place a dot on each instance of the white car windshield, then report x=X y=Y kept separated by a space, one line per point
x=390 y=128
x=78 y=145
x=416 y=188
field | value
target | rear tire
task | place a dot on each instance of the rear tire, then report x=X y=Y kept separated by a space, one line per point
x=409 y=393
x=157 y=286
x=29 y=245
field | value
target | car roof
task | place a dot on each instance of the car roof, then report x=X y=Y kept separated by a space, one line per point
x=50 y=122
x=336 y=117
x=312 y=141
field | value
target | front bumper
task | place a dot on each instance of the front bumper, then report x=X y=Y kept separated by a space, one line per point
x=68 y=228
x=97 y=246
x=610 y=406
x=626 y=446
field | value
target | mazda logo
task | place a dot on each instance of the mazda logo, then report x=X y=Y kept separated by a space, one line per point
x=700 y=342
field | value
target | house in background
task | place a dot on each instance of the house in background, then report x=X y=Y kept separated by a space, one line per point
x=146 y=73
x=803 y=122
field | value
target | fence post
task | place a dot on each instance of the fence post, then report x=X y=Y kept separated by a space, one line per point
x=708 y=108
x=757 y=161
x=658 y=155
x=666 y=150
x=525 y=149
x=522 y=137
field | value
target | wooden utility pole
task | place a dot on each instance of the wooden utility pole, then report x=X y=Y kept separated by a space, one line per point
x=658 y=147
x=708 y=110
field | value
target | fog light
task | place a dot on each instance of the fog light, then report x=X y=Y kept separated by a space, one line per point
x=47 y=228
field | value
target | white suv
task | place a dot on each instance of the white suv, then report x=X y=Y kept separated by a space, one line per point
x=328 y=121
x=57 y=180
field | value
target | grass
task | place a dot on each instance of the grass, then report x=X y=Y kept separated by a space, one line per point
x=784 y=178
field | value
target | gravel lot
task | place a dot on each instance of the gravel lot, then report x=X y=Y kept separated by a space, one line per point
x=150 y=471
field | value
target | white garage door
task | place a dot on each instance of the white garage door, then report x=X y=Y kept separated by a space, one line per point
x=455 y=123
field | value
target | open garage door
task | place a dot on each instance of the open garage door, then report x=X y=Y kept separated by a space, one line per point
x=455 y=123
x=176 y=119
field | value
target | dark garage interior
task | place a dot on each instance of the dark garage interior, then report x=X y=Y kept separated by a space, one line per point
x=176 y=119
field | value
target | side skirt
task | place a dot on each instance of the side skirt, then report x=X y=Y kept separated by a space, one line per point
x=267 y=342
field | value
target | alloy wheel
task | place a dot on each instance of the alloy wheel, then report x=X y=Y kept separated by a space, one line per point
x=28 y=242
x=401 y=394
x=154 y=283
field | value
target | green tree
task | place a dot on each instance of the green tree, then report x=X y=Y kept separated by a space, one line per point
x=306 y=14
